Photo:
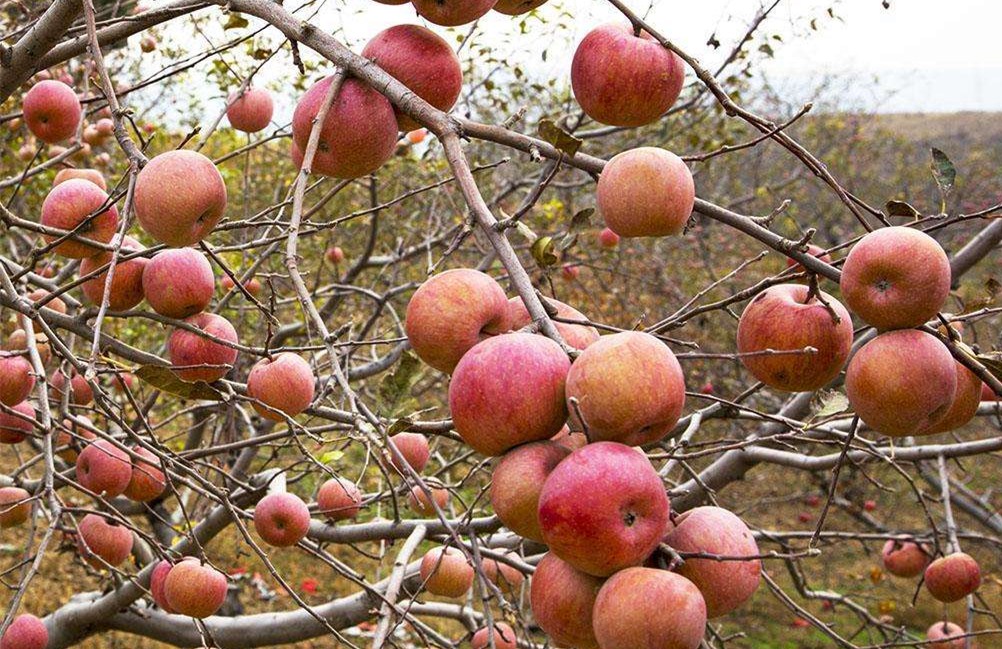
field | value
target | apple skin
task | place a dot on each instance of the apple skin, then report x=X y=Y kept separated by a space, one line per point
x=339 y=499
x=52 y=111
x=148 y=481
x=104 y=469
x=577 y=336
x=334 y=255
x=964 y=406
x=504 y=637
x=126 y=284
x=452 y=13
x=812 y=250
x=189 y=349
x=55 y=303
x=570 y=272
x=250 y=112
x=414 y=448
x=14 y=428
x=282 y=519
x=446 y=572
x=904 y=558
x=421 y=60
x=902 y=383
x=621 y=79
x=626 y=517
x=81 y=433
x=629 y=611
x=562 y=601
x=947 y=635
x=157 y=581
x=781 y=318
x=572 y=441
x=180 y=197
x=896 y=278
x=629 y=388
x=517 y=482
x=69 y=204
x=452 y=312
x=16 y=379
x=987 y=394
x=418 y=501
x=15 y=506
x=93 y=175
x=725 y=585
x=359 y=134
x=509 y=390
x=179 y=283
x=104 y=541
x=195 y=590
x=284 y=383
x=81 y=393
x=517 y=7
x=506 y=577
x=25 y=632
x=646 y=192
x=953 y=577
x=608 y=239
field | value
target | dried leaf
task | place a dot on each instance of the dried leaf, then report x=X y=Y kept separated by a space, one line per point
x=236 y=21
x=901 y=208
x=943 y=171
x=163 y=379
x=831 y=403
x=558 y=137
x=544 y=252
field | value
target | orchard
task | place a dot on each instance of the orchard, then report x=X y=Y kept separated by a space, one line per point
x=319 y=339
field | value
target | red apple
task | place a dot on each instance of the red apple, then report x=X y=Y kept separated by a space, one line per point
x=25 y=632
x=282 y=519
x=812 y=250
x=104 y=541
x=506 y=577
x=284 y=383
x=339 y=499
x=179 y=283
x=198 y=358
x=16 y=379
x=562 y=600
x=953 y=577
x=180 y=197
x=250 y=112
x=517 y=482
x=52 y=111
x=570 y=272
x=126 y=283
x=987 y=394
x=577 y=336
x=104 y=469
x=503 y=635
x=608 y=239
x=452 y=13
x=517 y=7
x=420 y=504
x=148 y=481
x=646 y=192
x=16 y=426
x=15 y=506
x=446 y=572
x=414 y=448
x=157 y=582
x=947 y=635
x=81 y=393
x=72 y=437
x=195 y=590
x=69 y=206
x=92 y=175
x=904 y=558
x=335 y=255
x=965 y=402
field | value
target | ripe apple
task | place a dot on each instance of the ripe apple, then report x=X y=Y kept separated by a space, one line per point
x=896 y=278
x=446 y=572
x=626 y=517
x=420 y=504
x=608 y=239
x=517 y=7
x=250 y=112
x=52 y=111
x=987 y=394
x=506 y=577
x=629 y=611
x=201 y=359
x=812 y=250
x=252 y=285
x=902 y=382
x=104 y=469
x=93 y=137
x=74 y=433
x=69 y=206
x=92 y=175
x=517 y=482
x=284 y=383
x=122 y=382
x=646 y=192
x=147 y=44
x=452 y=312
x=953 y=577
x=577 y=336
x=126 y=283
x=359 y=134
x=947 y=635
x=53 y=303
x=417 y=136
x=904 y=558
x=179 y=283
x=725 y=585
x=180 y=196
x=16 y=379
x=104 y=541
x=786 y=318
x=335 y=255
x=105 y=126
x=81 y=393
x=562 y=600
x=157 y=581
x=339 y=499
x=282 y=519
x=570 y=272
x=622 y=79
x=421 y=60
x=509 y=390
x=25 y=632
x=195 y=590
x=15 y=506
x=965 y=402
x=414 y=448
x=16 y=426
x=629 y=388
x=148 y=480
x=570 y=440
x=26 y=153
x=452 y=13
x=503 y=635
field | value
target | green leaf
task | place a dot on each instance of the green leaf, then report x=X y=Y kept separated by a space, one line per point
x=397 y=383
x=163 y=379
x=558 y=137
x=831 y=403
x=943 y=171
x=236 y=21
x=399 y=426
x=543 y=251
x=331 y=456
x=901 y=208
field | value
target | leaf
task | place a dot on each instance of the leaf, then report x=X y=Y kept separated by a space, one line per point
x=582 y=219
x=236 y=21
x=831 y=403
x=399 y=426
x=163 y=379
x=397 y=383
x=943 y=171
x=331 y=456
x=901 y=208
x=558 y=137
x=993 y=363
x=543 y=251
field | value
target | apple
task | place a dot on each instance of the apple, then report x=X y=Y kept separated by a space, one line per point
x=194 y=589
x=517 y=7
x=52 y=111
x=421 y=60
x=105 y=126
x=25 y=632
x=179 y=198
x=54 y=303
x=896 y=278
x=335 y=255
x=502 y=635
x=147 y=44
x=147 y=481
x=17 y=378
x=786 y=318
x=452 y=13
x=122 y=382
x=904 y=558
x=902 y=383
x=629 y=388
x=622 y=79
x=250 y=112
x=414 y=448
x=198 y=358
x=506 y=577
x=570 y=440
x=71 y=437
x=104 y=469
x=725 y=585
x=953 y=577
x=157 y=581
x=93 y=137
x=630 y=611
x=69 y=206
x=282 y=519
x=126 y=283
x=81 y=393
x=420 y=504
x=283 y=383
x=605 y=495
x=452 y=312
x=947 y=635
x=570 y=272
x=18 y=342
x=417 y=136
x=252 y=285
x=15 y=506
x=359 y=134
x=26 y=153
x=646 y=192
x=446 y=572
x=987 y=394
x=562 y=601
x=339 y=499
x=812 y=250
x=517 y=482
x=509 y=390
x=17 y=425
x=577 y=336
x=608 y=239
x=965 y=402
x=92 y=175
x=179 y=283
x=104 y=541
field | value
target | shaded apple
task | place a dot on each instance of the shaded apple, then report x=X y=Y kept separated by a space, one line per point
x=503 y=635
x=126 y=284
x=17 y=425
x=179 y=198
x=517 y=7
x=562 y=600
x=517 y=481
x=420 y=504
x=446 y=572
x=93 y=175
x=646 y=192
x=334 y=255
x=148 y=481
x=15 y=506
x=987 y=394
x=608 y=239
x=16 y=379
x=282 y=519
x=339 y=499
x=198 y=358
x=812 y=250
x=947 y=635
x=157 y=581
x=577 y=336
x=81 y=207
x=81 y=393
x=179 y=283
x=965 y=402
x=104 y=541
